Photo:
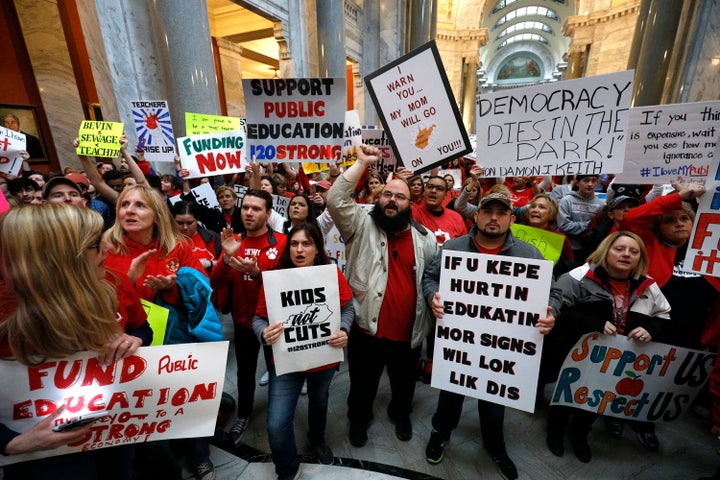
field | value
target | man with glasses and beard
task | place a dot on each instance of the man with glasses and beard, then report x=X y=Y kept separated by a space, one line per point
x=386 y=253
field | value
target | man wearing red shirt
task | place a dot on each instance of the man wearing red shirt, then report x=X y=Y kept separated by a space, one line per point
x=443 y=222
x=240 y=267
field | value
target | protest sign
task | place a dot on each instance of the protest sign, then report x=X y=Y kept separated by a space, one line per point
x=351 y=142
x=617 y=377
x=281 y=204
x=573 y=127
x=295 y=119
x=417 y=109
x=703 y=250
x=157 y=317
x=99 y=139
x=199 y=123
x=240 y=191
x=486 y=344
x=667 y=143
x=153 y=126
x=376 y=137
x=456 y=173
x=203 y=194
x=11 y=144
x=310 y=315
x=213 y=153
x=335 y=244
x=158 y=393
x=549 y=243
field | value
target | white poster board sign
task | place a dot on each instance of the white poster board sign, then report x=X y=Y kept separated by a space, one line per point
x=486 y=344
x=670 y=143
x=203 y=194
x=573 y=127
x=307 y=301
x=295 y=119
x=153 y=127
x=417 y=109
x=11 y=144
x=616 y=377
x=213 y=153
x=163 y=392
x=281 y=204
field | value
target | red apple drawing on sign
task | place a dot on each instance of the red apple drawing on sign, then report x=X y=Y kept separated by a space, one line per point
x=631 y=385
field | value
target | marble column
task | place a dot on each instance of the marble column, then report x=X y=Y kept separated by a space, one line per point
x=655 y=52
x=422 y=22
x=469 y=91
x=331 y=38
x=303 y=37
x=636 y=46
x=575 y=65
x=231 y=61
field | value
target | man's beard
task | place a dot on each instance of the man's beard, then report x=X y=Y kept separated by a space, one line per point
x=391 y=225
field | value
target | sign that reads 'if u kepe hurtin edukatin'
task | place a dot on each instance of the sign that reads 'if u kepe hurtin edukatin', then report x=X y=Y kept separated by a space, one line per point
x=573 y=127
x=417 y=109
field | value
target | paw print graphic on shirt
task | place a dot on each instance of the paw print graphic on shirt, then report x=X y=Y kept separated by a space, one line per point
x=272 y=253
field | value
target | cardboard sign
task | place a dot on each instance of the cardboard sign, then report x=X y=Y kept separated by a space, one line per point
x=203 y=194
x=351 y=142
x=11 y=144
x=486 y=344
x=99 y=139
x=377 y=138
x=417 y=109
x=153 y=126
x=157 y=317
x=295 y=119
x=240 y=191
x=703 y=251
x=573 y=127
x=213 y=153
x=281 y=204
x=307 y=301
x=549 y=243
x=199 y=123
x=159 y=393
x=670 y=143
x=617 y=377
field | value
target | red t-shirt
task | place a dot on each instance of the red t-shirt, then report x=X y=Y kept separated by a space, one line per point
x=202 y=250
x=397 y=313
x=131 y=314
x=449 y=224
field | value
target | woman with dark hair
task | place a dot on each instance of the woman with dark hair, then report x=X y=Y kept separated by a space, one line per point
x=206 y=243
x=417 y=189
x=170 y=186
x=300 y=210
x=372 y=182
x=611 y=294
x=304 y=248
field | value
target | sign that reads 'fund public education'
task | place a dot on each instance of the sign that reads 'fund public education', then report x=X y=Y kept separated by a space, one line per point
x=573 y=127
x=487 y=345
x=417 y=109
x=295 y=119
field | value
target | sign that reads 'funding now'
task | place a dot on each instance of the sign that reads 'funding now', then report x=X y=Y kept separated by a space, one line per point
x=213 y=153
x=573 y=127
x=417 y=109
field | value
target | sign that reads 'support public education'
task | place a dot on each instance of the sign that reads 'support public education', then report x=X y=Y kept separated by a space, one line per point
x=295 y=119
x=417 y=109
x=307 y=301
x=617 y=377
x=573 y=127
x=159 y=393
x=487 y=345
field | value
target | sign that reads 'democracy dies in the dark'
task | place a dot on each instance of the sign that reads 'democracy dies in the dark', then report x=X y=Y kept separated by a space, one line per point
x=159 y=393
x=487 y=345
x=307 y=302
x=573 y=127
x=617 y=377
x=417 y=109
x=295 y=119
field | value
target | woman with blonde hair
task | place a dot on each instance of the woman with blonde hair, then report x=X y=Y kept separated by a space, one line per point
x=57 y=301
x=146 y=244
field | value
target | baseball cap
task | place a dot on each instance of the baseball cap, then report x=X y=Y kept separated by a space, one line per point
x=616 y=201
x=324 y=184
x=55 y=181
x=79 y=179
x=496 y=197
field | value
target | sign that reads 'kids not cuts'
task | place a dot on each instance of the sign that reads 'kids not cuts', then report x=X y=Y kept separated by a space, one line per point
x=487 y=345
x=671 y=143
x=295 y=119
x=307 y=301
x=573 y=127
x=616 y=377
x=213 y=153
x=417 y=109
x=99 y=139
x=159 y=393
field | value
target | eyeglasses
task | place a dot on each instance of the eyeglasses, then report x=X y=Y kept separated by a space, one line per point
x=398 y=196
x=96 y=246
x=439 y=188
